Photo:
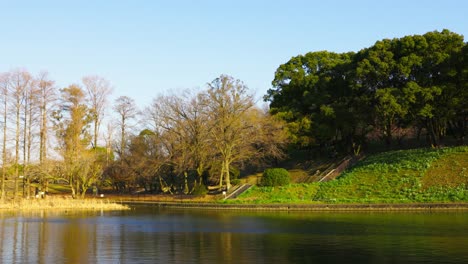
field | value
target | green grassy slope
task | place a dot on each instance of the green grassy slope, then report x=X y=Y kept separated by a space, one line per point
x=419 y=175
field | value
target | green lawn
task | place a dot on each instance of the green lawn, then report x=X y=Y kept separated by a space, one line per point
x=419 y=175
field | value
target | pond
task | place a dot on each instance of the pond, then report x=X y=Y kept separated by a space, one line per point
x=152 y=235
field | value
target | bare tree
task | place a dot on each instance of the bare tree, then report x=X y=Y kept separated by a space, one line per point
x=182 y=121
x=20 y=81
x=240 y=131
x=46 y=99
x=109 y=139
x=228 y=104
x=47 y=95
x=214 y=129
x=98 y=90
x=30 y=119
x=127 y=112
x=267 y=137
x=4 y=88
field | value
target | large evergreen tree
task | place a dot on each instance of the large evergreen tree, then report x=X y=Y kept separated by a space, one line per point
x=337 y=99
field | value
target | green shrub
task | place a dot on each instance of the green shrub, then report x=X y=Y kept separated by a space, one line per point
x=235 y=181
x=199 y=189
x=275 y=177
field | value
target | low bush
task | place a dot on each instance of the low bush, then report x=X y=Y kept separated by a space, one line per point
x=199 y=189
x=275 y=177
x=235 y=181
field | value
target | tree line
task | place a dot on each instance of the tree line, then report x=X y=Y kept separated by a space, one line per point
x=410 y=87
x=179 y=144
x=196 y=139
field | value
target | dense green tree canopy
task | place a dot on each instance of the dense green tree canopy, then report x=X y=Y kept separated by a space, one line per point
x=414 y=82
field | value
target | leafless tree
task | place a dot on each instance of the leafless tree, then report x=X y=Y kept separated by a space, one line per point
x=228 y=102
x=20 y=82
x=127 y=112
x=239 y=131
x=46 y=100
x=98 y=90
x=182 y=121
x=4 y=89
x=47 y=96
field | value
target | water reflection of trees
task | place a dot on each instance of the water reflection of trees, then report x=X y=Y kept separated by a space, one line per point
x=222 y=237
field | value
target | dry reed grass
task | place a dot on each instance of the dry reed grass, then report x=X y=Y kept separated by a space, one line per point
x=165 y=198
x=61 y=203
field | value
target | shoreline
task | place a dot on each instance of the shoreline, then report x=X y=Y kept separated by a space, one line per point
x=55 y=203
x=304 y=207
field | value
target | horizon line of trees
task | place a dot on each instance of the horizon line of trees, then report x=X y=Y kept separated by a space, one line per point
x=398 y=88
x=179 y=144
x=336 y=102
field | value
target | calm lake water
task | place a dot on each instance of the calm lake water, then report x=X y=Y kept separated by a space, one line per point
x=152 y=235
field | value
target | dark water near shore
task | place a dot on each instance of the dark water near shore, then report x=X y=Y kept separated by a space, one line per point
x=151 y=235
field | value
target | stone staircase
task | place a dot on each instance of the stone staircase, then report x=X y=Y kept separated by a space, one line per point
x=237 y=191
x=335 y=170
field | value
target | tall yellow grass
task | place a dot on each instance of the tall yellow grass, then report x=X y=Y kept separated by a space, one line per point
x=62 y=203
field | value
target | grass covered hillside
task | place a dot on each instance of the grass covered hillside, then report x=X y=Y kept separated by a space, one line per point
x=419 y=175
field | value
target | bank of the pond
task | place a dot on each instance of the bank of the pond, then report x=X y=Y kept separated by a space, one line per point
x=417 y=179
x=55 y=203
x=304 y=207
x=394 y=177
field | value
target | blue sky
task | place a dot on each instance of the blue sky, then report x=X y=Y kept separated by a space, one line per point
x=145 y=48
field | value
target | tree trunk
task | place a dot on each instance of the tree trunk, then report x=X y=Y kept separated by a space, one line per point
x=432 y=133
x=186 y=188
x=77 y=188
x=96 y=131
x=72 y=187
x=388 y=134
x=5 y=106
x=200 y=174
x=28 y=184
x=228 y=176
x=221 y=176
x=84 y=188
x=17 y=145
x=43 y=140
x=25 y=137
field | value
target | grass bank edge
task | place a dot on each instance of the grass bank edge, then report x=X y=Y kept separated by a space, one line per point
x=389 y=177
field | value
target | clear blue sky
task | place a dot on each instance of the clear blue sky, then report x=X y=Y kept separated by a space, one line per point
x=148 y=47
